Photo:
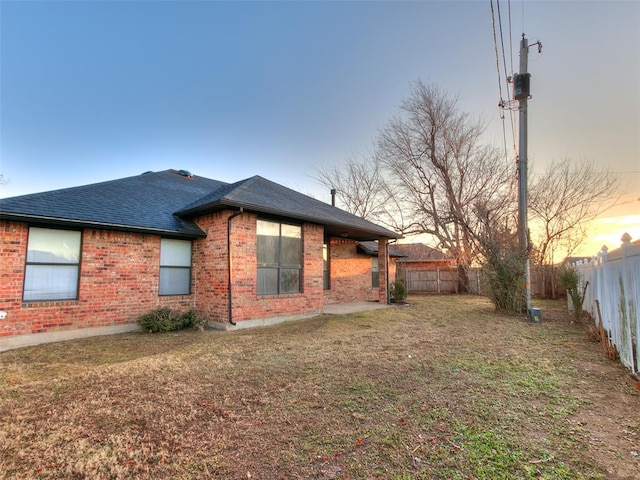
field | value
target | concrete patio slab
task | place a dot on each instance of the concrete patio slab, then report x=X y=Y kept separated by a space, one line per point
x=344 y=308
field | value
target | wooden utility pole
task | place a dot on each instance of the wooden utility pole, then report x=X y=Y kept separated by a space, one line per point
x=521 y=93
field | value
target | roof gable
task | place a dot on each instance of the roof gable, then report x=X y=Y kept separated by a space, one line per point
x=260 y=195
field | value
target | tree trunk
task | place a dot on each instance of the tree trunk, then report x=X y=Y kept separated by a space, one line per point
x=463 y=277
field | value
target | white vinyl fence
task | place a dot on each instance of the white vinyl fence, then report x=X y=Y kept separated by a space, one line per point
x=614 y=287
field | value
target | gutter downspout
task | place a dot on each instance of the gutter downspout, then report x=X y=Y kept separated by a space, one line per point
x=230 y=263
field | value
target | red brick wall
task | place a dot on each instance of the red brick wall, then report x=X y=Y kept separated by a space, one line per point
x=118 y=282
x=211 y=277
x=248 y=305
x=13 y=246
x=350 y=274
x=119 y=275
x=392 y=269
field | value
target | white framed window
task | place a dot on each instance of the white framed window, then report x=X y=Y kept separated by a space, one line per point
x=375 y=273
x=52 y=269
x=279 y=258
x=175 y=267
x=326 y=277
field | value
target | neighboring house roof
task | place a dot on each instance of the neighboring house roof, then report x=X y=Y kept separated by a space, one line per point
x=573 y=260
x=371 y=248
x=167 y=202
x=419 y=252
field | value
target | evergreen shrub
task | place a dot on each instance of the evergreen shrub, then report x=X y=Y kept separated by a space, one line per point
x=165 y=319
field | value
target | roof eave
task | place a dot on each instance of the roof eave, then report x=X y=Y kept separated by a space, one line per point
x=359 y=234
x=71 y=223
x=209 y=208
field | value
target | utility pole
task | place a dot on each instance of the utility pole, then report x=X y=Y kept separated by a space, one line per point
x=521 y=93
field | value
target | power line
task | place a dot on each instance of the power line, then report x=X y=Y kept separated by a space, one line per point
x=507 y=104
x=503 y=104
x=495 y=46
x=510 y=35
x=506 y=74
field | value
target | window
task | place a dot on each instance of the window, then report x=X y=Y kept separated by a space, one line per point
x=375 y=276
x=279 y=258
x=175 y=267
x=325 y=267
x=53 y=265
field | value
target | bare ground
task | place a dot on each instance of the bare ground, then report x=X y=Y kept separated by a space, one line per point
x=441 y=388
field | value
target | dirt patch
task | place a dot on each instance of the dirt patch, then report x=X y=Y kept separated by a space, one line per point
x=441 y=388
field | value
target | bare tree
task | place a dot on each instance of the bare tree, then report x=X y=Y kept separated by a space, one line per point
x=563 y=200
x=442 y=174
x=431 y=174
x=361 y=189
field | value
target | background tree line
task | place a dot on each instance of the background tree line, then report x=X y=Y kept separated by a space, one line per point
x=430 y=173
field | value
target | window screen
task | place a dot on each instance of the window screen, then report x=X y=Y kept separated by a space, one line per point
x=175 y=267
x=279 y=258
x=53 y=265
x=325 y=267
x=375 y=275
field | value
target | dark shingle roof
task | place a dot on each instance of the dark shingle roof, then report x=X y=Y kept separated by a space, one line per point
x=260 y=195
x=167 y=202
x=143 y=203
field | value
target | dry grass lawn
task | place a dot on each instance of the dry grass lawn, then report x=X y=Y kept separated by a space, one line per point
x=443 y=388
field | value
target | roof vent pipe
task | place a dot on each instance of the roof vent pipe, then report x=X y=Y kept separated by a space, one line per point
x=333 y=197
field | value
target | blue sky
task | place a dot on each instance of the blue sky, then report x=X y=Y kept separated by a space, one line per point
x=92 y=91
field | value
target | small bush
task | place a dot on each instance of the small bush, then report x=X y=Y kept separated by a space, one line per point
x=504 y=279
x=398 y=291
x=570 y=280
x=194 y=321
x=164 y=319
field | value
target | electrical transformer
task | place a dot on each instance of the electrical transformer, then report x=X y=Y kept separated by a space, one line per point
x=521 y=86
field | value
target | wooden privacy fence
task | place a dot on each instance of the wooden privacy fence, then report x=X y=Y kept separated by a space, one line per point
x=438 y=280
x=613 y=297
x=445 y=280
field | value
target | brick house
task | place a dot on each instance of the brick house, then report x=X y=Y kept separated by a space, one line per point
x=95 y=257
x=422 y=257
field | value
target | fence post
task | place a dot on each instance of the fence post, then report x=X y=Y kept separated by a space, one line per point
x=598 y=287
x=602 y=295
x=626 y=301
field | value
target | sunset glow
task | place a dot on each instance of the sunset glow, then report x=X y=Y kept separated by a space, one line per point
x=608 y=231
